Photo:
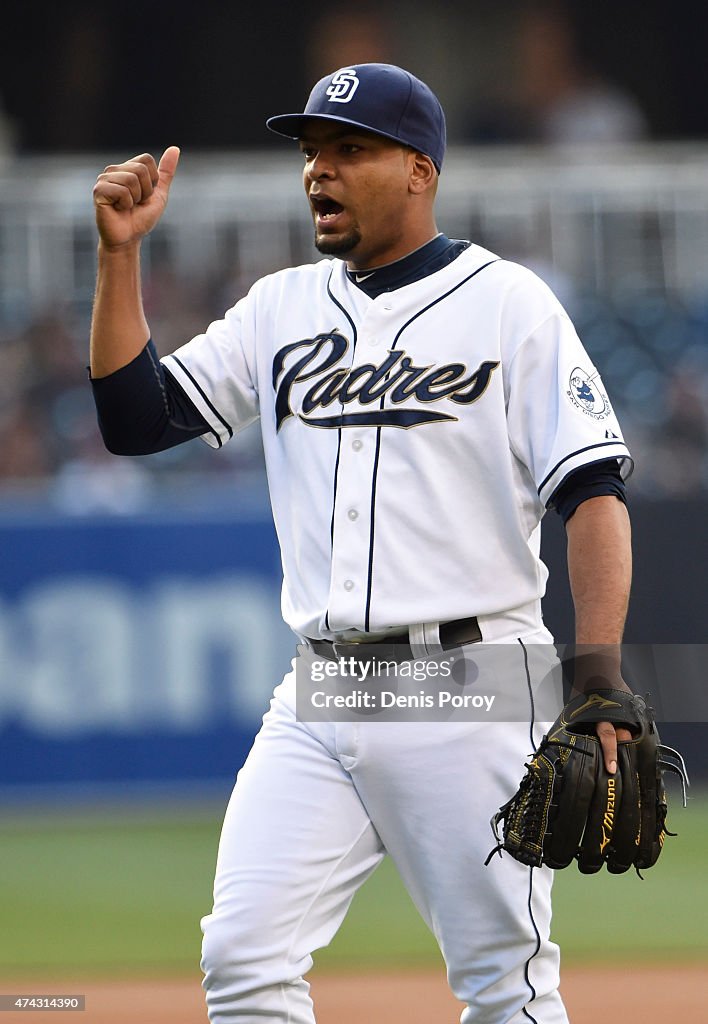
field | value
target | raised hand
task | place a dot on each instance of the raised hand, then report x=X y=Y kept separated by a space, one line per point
x=131 y=197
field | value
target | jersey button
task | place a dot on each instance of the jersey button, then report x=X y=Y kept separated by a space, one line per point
x=373 y=341
x=349 y=584
x=357 y=445
x=353 y=514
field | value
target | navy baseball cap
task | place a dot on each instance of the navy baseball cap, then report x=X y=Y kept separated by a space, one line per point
x=379 y=97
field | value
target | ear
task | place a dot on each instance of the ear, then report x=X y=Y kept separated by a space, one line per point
x=423 y=174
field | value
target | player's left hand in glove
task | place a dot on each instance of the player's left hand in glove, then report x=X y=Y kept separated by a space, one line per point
x=570 y=807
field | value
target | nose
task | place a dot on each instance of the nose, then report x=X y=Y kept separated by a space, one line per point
x=319 y=167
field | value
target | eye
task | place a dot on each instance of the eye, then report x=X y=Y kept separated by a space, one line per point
x=350 y=147
x=308 y=152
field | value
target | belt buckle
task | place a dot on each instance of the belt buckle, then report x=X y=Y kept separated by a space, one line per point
x=374 y=652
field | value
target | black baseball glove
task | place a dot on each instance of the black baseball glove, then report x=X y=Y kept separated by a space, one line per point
x=569 y=807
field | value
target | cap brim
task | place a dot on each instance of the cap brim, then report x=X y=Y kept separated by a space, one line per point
x=291 y=126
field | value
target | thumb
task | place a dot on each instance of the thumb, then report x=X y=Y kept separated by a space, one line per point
x=166 y=169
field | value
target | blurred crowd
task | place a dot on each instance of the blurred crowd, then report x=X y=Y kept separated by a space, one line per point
x=525 y=70
x=529 y=78
x=50 y=445
x=652 y=353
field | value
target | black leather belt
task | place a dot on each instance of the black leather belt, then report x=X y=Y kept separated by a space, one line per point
x=452 y=634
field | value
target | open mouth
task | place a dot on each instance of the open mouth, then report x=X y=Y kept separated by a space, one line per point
x=325 y=208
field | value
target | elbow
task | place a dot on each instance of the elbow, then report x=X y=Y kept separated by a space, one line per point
x=119 y=444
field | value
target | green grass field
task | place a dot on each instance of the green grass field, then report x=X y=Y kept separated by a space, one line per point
x=122 y=893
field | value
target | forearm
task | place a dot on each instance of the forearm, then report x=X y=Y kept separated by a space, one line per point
x=119 y=330
x=600 y=571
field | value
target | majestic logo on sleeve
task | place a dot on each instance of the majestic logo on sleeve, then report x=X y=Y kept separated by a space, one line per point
x=586 y=394
x=343 y=86
x=316 y=362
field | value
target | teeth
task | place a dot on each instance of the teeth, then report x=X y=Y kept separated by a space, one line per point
x=326 y=209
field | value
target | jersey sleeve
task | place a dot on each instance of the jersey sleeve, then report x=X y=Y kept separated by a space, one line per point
x=593 y=481
x=216 y=370
x=558 y=412
x=142 y=410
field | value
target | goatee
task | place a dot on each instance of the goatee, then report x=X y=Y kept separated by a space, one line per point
x=337 y=246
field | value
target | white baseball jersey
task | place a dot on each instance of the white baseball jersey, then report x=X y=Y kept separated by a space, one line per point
x=412 y=441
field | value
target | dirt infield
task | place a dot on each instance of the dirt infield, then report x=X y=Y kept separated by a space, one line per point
x=631 y=995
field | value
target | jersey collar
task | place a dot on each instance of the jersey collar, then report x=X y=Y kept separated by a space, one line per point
x=432 y=256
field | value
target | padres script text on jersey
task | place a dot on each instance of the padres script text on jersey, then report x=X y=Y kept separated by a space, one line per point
x=407 y=402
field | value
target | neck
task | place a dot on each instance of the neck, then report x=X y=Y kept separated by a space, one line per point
x=395 y=253
x=380 y=266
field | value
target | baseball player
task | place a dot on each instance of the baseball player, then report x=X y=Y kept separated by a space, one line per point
x=420 y=409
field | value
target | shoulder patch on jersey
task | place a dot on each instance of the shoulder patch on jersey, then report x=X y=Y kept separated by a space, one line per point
x=586 y=394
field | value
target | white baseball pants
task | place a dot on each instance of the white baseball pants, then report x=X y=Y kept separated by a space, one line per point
x=315 y=809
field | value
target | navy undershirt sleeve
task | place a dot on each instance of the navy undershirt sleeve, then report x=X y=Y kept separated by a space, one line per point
x=142 y=409
x=588 y=482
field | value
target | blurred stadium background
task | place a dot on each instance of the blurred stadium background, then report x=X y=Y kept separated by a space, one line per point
x=140 y=633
